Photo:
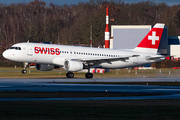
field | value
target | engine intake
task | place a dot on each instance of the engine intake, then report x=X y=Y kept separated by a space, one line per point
x=73 y=66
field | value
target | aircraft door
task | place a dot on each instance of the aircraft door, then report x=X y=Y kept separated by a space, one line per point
x=29 y=50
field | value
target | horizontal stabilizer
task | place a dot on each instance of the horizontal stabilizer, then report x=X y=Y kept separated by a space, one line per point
x=154 y=57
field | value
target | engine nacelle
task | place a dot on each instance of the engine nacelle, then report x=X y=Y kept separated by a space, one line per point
x=44 y=67
x=73 y=66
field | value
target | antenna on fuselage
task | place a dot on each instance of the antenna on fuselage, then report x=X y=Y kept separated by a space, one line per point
x=28 y=41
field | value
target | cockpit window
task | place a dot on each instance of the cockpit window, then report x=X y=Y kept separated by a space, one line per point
x=16 y=48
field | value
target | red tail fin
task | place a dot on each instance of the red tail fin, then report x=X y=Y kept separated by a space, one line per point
x=152 y=39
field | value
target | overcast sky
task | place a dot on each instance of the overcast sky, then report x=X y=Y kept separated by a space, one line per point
x=61 y=2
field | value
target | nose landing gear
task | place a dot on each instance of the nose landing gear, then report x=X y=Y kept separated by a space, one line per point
x=24 y=71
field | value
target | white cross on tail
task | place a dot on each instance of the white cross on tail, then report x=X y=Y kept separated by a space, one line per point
x=153 y=38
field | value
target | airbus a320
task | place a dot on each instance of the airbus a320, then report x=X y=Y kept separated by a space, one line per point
x=73 y=58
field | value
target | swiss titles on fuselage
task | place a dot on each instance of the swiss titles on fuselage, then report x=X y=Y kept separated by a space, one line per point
x=45 y=50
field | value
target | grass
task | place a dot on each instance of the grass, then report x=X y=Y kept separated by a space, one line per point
x=33 y=73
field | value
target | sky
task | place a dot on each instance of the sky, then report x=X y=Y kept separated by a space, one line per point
x=69 y=2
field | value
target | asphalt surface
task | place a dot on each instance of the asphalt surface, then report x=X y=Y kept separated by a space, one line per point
x=111 y=80
x=56 y=85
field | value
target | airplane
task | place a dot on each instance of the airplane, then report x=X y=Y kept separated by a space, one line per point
x=75 y=58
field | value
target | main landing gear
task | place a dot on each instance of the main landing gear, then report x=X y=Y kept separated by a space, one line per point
x=69 y=75
x=88 y=75
x=24 y=71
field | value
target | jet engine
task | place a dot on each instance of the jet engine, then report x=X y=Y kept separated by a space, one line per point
x=73 y=66
x=44 y=67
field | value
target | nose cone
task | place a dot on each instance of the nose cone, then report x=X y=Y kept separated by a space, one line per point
x=6 y=54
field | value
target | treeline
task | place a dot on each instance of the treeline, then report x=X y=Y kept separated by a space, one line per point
x=166 y=64
x=68 y=24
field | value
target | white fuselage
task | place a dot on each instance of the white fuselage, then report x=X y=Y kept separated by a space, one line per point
x=57 y=54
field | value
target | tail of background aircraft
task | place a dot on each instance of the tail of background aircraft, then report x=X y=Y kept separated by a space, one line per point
x=151 y=41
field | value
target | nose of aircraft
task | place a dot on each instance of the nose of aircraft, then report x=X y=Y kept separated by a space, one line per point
x=5 y=54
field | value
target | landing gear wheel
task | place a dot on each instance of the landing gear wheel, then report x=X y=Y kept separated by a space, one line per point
x=69 y=75
x=24 y=71
x=89 y=75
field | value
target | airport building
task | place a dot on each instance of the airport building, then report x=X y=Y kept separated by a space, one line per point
x=174 y=46
x=129 y=36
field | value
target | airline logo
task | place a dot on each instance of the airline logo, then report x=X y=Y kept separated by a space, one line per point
x=42 y=50
x=153 y=38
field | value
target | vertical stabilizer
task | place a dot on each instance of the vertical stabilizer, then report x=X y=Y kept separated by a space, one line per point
x=151 y=41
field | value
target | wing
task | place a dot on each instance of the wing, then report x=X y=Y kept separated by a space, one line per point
x=99 y=60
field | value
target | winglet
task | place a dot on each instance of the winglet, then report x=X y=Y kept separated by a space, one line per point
x=151 y=41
